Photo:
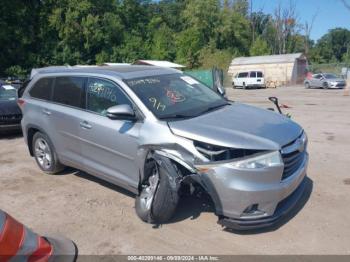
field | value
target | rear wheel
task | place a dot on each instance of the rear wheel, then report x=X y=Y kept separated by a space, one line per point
x=307 y=85
x=156 y=202
x=244 y=86
x=45 y=155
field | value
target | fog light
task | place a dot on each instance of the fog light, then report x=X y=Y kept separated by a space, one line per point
x=252 y=210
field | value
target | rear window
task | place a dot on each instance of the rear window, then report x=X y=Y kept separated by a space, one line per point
x=242 y=74
x=69 y=91
x=42 y=89
x=7 y=93
x=259 y=74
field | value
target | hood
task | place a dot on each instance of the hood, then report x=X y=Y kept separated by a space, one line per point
x=9 y=107
x=239 y=126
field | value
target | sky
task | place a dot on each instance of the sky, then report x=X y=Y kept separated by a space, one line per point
x=330 y=13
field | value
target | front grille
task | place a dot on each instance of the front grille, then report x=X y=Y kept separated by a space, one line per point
x=293 y=156
x=10 y=119
x=340 y=84
x=292 y=162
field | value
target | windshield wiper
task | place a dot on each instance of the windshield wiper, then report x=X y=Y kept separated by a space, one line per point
x=175 y=116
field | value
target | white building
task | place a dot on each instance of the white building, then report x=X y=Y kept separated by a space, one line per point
x=281 y=69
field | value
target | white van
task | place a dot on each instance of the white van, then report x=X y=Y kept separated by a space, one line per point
x=249 y=79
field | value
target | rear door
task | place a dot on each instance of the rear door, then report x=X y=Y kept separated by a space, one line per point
x=37 y=104
x=260 y=78
x=316 y=80
x=252 y=78
x=109 y=147
x=65 y=110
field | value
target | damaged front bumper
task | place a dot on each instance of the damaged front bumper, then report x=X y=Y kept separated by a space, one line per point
x=250 y=199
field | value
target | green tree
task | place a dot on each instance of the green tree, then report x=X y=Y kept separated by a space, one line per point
x=259 y=47
x=86 y=30
x=334 y=44
x=202 y=16
x=233 y=33
x=188 y=45
x=163 y=44
x=18 y=33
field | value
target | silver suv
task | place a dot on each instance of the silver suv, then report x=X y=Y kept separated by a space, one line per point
x=155 y=131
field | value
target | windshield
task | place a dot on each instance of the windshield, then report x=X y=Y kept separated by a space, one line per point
x=330 y=76
x=175 y=95
x=7 y=93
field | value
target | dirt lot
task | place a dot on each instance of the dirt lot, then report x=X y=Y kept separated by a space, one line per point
x=101 y=219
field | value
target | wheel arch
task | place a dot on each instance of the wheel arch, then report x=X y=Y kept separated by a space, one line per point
x=30 y=131
x=164 y=159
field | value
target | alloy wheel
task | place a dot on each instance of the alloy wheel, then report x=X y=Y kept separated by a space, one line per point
x=43 y=153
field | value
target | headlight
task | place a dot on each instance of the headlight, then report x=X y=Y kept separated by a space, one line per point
x=261 y=161
x=218 y=153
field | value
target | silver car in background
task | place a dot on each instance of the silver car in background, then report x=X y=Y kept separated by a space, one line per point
x=325 y=81
x=158 y=133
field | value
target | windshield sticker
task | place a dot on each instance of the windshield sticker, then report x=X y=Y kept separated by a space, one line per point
x=144 y=81
x=157 y=104
x=8 y=87
x=189 y=80
x=175 y=96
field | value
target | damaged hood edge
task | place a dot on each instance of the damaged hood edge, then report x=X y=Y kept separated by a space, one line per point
x=239 y=126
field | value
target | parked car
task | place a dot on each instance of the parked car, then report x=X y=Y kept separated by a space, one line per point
x=325 y=81
x=10 y=113
x=155 y=131
x=249 y=79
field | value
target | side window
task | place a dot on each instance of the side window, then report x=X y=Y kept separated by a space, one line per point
x=252 y=74
x=102 y=94
x=259 y=74
x=69 y=91
x=245 y=74
x=318 y=76
x=42 y=89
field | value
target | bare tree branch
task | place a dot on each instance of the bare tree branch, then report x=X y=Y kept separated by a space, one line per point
x=307 y=30
x=346 y=4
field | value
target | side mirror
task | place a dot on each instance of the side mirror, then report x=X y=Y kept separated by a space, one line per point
x=121 y=112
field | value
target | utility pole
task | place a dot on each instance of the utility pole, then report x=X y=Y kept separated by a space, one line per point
x=252 y=20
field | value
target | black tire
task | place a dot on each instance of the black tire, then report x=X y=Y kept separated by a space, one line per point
x=233 y=85
x=325 y=85
x=244 y=86
x=164 y=202
x=307 y=85
x=54 y=166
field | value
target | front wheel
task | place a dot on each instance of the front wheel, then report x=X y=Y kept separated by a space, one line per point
x=307 y=85
x=157 y=201
x=45 y=155
x=325 y=85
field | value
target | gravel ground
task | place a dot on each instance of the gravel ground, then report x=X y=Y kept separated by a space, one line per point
x=101 y=219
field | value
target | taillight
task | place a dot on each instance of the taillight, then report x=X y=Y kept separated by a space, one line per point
x=20 y=102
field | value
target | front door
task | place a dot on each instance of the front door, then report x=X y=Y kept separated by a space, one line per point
x=109 y=147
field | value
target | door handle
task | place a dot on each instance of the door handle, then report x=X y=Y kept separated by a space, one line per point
x=46 y=112
x=85 y=125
